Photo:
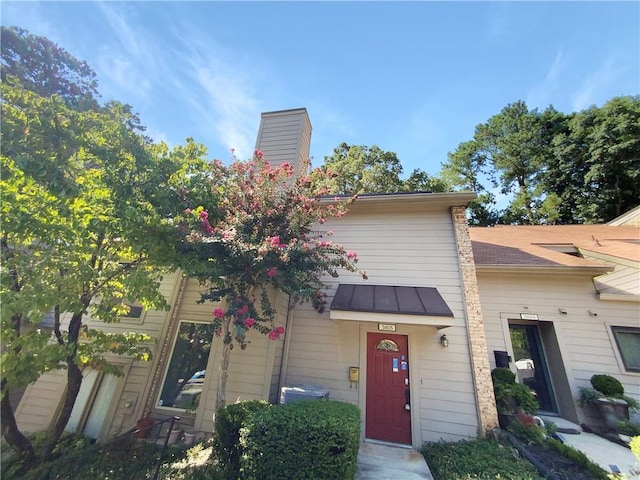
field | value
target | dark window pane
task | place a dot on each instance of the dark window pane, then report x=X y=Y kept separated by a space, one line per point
x=628 y=341
x=186 y=370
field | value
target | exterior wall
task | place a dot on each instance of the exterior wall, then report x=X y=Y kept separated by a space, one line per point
x=625 y=279
x=49 y=388
x=407 y=245
x=585 y=342
x=481 y=372
x=285 y=136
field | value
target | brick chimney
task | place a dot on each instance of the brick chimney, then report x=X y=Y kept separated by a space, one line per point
x=285 y=136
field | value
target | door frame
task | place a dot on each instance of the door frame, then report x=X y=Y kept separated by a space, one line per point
x=401 y=329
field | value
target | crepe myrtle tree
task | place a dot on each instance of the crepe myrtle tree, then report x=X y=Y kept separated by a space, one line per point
x=267 y=236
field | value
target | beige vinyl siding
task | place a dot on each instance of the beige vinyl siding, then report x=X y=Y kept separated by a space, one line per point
x=585 y=340
x=395 y=246
x=49 y=388
x=41 y=401
x=285 y=136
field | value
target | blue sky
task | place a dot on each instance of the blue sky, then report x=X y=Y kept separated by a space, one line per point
x=414 y=78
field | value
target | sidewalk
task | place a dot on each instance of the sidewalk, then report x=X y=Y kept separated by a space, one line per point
x=610 y=456
x=378 y=461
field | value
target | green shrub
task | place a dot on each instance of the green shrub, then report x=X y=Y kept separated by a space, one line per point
x=228 y=422
x=476 y=459
x=503 y=375
x=527 y=432
x=578 y=458
x=625 y=427
x=607 y=385
x=513 y=397
x=310 y=439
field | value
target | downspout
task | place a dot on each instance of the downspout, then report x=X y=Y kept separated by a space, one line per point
x=285 y=349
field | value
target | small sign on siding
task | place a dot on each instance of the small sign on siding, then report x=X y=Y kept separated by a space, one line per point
x=387 y=327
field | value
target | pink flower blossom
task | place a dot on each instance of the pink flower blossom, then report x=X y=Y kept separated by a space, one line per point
x=258 y=153
x=275 y=241
x=187 y=211
x=204 y=215
x=218 y=332
x=271 y=272
x=249 y=322
x=276 y=332
x=218 y=313
x=352 y=255
x=243 y=310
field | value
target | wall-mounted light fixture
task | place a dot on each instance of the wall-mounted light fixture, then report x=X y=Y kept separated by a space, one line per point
x=562 y=311
x=592 y=313
x=444 y=341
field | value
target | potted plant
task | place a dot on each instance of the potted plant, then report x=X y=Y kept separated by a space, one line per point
x=143 y=426
x=607 y=395
x=513 y=400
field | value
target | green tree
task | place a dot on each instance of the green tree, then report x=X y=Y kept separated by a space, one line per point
x=465 y=170
x=47 y=69
x=87 y=205
x=267 y=238
x=595 y=169
x=510 y=151
x=421 y=181
x=357 y=169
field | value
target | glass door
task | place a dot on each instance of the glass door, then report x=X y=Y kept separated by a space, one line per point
x=531 y=364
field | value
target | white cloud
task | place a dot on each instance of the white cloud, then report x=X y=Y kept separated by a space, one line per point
x=593 y=86
x=132 y=63
x=541 y=95
x=221 y=93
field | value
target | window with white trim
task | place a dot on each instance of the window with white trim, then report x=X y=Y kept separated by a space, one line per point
x=628 y=343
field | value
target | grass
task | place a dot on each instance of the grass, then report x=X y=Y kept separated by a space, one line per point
x=476 y=459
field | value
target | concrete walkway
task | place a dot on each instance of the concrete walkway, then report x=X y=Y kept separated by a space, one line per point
x=378 y=461
x=610 y=456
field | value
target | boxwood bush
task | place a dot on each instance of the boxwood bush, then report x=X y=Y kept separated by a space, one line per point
x=310 y=439
x=226 y=441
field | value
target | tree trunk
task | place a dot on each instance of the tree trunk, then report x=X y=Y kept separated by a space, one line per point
x=221 y=397
x=74 y=380
x=16 y=440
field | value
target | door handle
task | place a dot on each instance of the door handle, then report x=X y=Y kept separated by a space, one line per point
x=407 y=397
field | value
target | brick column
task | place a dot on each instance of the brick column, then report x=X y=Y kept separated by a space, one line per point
x=485 y=400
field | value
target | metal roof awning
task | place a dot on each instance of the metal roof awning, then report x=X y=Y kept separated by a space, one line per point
x=387 y=303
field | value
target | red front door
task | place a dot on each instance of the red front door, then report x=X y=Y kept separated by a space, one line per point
x=388 y=416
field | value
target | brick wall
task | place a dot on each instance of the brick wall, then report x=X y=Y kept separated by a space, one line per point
x=486 y=405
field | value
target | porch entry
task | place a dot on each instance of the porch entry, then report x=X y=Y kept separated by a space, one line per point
x=532 y=366
x=388 y=410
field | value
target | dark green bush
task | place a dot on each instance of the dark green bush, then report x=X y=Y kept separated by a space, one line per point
x=310 y=439
x=527 y=432
x=503 y=375
x=625 y=427
x=479 y=459
x=513 y=397
x=607 y=385
x=226 y=442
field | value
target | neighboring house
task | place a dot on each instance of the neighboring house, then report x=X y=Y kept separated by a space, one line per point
x=563 y=302
x=407 y=345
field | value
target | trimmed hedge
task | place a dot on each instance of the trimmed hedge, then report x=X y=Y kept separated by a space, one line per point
x=226 y=442
x=310 y=439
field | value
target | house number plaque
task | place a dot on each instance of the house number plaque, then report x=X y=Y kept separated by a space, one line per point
x=387 y=327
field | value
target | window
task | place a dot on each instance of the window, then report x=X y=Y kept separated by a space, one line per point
x=186 y=370
x=135 y=310
x=628 y=341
